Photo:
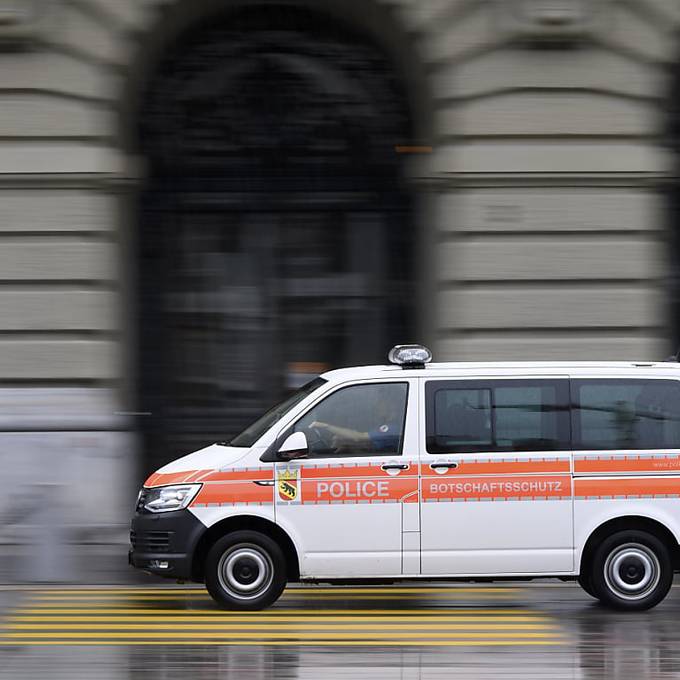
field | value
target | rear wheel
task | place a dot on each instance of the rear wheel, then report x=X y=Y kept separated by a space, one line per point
x=245 y=570
x=631 y=570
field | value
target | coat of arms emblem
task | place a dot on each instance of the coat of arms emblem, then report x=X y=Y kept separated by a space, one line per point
x=287 y=485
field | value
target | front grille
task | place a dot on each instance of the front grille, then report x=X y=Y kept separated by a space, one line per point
x=151 y=541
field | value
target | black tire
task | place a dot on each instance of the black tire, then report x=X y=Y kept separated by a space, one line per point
x=584 y=581
x=631 y=570
x=235 y=564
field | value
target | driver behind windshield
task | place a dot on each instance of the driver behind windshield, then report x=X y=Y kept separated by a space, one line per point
x=382 y=438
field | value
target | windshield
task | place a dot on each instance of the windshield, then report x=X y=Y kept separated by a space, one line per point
x=253 y=432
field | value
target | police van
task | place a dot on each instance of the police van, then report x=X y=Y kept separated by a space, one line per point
x=419 y=470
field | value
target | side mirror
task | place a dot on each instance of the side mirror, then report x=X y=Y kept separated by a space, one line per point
x=295 y=446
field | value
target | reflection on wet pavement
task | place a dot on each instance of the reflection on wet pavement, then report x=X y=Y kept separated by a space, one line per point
x=440 y=631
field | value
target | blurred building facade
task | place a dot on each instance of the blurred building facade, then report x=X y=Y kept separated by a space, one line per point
x=203 y=203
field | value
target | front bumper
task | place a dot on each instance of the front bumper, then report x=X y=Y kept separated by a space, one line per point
x=164 y=543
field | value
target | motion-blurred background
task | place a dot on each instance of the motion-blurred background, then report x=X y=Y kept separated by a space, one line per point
x=205 y=204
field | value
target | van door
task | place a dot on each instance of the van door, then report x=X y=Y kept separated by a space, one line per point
x=347 y=503
x=496 y=477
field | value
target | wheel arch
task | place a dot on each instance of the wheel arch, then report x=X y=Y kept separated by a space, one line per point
x=627 y=523
x=252 y=523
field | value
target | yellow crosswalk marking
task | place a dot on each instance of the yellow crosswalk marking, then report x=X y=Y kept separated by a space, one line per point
x=131 y=609
x=382 y=626
x=424 y=590
x=289 y=643
x=157 y=616
x=306 y=596
x=330 y=635
x=313 y=620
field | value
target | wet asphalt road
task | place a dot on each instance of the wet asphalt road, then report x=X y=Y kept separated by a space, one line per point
x=545 y=630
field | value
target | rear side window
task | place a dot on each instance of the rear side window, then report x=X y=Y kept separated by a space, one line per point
x=626 y=414
x=498 y=415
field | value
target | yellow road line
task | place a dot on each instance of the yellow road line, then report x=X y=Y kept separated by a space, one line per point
x=412 y=620
x=278 y=635
x=113 y=616
x=378 y=625
x=286 y=643
x=284 y=600
x=123 y=589
x=284 y=597
x=386 y=589
x=59 y=610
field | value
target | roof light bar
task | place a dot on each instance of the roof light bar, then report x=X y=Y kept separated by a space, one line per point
x=410 y=356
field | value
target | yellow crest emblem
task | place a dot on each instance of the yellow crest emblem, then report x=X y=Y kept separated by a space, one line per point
x=287 y=485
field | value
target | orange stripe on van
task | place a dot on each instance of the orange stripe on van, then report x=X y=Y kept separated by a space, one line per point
x=189 y=476
x=334 y=490
x=259 y=474
x=234 y=493
x=497 y=488
x=502 y=467
x=358 y=471
x=624 y=487
x=616 y=464
x=186 y=476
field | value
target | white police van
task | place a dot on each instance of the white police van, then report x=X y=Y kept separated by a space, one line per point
x=472 y=471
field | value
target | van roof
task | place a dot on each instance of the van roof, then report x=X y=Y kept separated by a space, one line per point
x=502 y=368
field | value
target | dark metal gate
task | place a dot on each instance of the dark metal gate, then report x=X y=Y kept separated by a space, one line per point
x=276 y=235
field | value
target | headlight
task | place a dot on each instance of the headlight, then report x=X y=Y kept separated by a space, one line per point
x=168 y=498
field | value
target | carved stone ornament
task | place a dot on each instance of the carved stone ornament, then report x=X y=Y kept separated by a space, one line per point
x=23 y=21
x=551 y=20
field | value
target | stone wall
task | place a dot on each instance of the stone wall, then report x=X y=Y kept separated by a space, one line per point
x=542 y=211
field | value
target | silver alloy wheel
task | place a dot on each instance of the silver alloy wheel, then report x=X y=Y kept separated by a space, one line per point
x=632 y=571
x=245 y=571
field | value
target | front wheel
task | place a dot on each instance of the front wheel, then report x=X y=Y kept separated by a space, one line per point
x=245 y=570
x=631 y=570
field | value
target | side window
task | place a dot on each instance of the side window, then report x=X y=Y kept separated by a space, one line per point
x=499 y=415
x=626 y=414
x=528 y=418
x=359 y=420
x=462 y=418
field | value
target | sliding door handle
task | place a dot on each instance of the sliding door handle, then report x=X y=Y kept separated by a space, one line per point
x=443 y=466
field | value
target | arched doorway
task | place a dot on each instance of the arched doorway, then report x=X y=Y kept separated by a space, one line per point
x=276 y=233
